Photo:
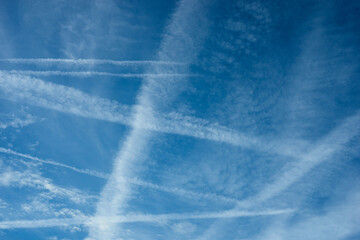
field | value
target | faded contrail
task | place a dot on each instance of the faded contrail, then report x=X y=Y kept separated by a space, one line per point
x=135 y=181
x=84 y=171
x=86 y=61
x=324 y=150
x=131 y=218
x=94 y=73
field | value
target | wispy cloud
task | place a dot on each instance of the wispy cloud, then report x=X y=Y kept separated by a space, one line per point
x=184 y=227
x=3 y=204
x=86 y=61
x=337 y=222
x=131 y=218
x=41 y=206
x=27 y=178
x=17 y=122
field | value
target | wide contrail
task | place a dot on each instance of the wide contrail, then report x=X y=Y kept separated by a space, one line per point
x=131 y=218
x=178 y=43
x=87 y=61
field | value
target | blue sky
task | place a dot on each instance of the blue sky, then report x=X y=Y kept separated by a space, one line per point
x=189 y=119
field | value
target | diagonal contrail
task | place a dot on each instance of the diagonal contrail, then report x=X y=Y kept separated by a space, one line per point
x=180 y=42
x=83 y=171
x=69 y=100
x=324 y=150
x=173 y=190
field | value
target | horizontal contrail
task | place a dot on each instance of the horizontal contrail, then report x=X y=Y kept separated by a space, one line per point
x=94 y=73
x=85 y=61
x=132 y=218
x=135 y=181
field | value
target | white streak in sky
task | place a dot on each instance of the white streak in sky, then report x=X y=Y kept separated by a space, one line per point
x=61 y=98
x=131 y=218
x=94 y=73
x=135 y=181
x=83 y=171
x=339 y=221
x=11 y=178
x=85 y=61
x=180 y=42
x=324 y=150
x=17 y=122
x=183 y=192
x=69 y=100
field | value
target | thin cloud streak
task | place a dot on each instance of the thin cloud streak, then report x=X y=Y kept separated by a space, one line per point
x=94 y=73
x=86 y=61
x=17 y=122
x=133 y=218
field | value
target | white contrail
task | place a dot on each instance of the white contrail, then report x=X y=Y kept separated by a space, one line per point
x=183 y=192
x=135 y=181
x=86 y=61
x=69 y=100
x=84 y=171
x=179 y=42
x=11 y=178
x=131 y=218
x=61 y=98
x=328 y=146
x=94 y=73
x=324 y=150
